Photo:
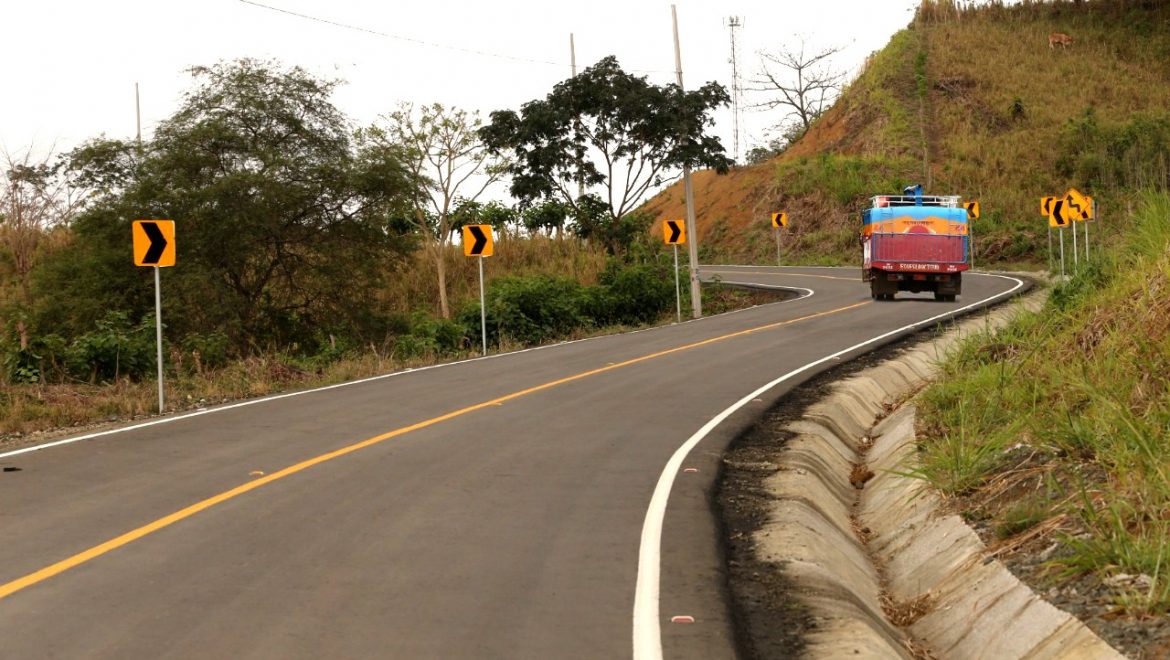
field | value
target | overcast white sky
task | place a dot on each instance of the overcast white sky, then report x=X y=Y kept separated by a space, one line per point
x=71 y=65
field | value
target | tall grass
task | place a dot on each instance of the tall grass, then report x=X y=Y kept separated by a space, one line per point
x=1084 y=385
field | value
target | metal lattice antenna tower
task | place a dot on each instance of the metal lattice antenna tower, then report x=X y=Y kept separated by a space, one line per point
x=733 y=24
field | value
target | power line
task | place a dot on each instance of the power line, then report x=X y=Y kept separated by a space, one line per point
x=420 y=42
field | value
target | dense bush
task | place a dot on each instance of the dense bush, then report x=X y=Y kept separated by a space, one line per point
x=846 y=178
x=530 y=309
x=634 y=295
x=116 y=348
x=1132 y=154
x=423 y=334
x=539 y=308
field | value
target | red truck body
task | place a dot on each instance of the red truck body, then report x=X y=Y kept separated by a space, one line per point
x=914 y=243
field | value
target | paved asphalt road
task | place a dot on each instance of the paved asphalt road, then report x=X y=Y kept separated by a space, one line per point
x=513 y=529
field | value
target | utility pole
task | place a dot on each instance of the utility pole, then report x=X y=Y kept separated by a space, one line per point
x=137 y=116
x=693 y=236
x=573 y=64
x=733 y=24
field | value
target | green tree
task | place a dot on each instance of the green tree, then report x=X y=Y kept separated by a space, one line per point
x=284 y=221
x=801 y=83
x=33 y=201
x=609 y=129
x=548 y=216
x=443 y=151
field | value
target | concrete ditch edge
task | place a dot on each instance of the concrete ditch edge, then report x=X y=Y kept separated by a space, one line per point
x=883 y=571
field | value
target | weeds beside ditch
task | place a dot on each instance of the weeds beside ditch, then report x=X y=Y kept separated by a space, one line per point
x=1064 y=415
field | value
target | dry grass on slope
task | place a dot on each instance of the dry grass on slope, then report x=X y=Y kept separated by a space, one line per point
x=986 y=98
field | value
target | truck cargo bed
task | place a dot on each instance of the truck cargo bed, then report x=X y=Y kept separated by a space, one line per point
x=918 y=252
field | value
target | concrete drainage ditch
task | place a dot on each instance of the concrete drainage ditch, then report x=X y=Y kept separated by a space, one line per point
x=874 y=565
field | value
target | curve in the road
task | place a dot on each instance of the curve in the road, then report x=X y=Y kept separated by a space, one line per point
x=646 y=625
x=96 y=551
x=520 y=531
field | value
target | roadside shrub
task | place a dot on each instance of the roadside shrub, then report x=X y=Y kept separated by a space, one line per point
x=40 y=362
x=116 y=348
x=634 y=295
x=207 y=351
x=1132 y=154
x=429 y=335
x=530 y=309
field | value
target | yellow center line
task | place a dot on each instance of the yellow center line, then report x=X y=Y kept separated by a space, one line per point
x=764 y=272
x=98 y=550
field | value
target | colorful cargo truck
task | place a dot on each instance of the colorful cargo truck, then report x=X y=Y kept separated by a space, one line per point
x=914 y=242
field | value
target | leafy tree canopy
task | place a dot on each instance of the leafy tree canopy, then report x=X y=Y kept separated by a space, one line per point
x=284 y=221
x=610 y=129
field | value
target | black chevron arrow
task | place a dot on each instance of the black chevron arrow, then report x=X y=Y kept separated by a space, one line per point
x=158 y=244
x=1048 y=205
x=675 y=231
x=480 y=240
x=1058 y=215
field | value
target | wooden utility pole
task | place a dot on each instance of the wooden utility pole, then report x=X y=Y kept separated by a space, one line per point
x=693 y=241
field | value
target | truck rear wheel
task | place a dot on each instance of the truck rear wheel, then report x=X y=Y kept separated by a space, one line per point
x=882 y=289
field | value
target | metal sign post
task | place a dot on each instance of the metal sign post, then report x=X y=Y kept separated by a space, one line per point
x=677 y=288
x=482 y=308
x=1076 y=253
x=779 y=221
x=1087 y=230
x=673 y=233
x=154 y=246
x=971 y=244
x=158 y=337
x=479 y=242
x=1050 y=248
x=1061 y=231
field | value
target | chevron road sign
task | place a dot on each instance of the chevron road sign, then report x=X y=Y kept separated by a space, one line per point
x=154 y=243
x=477 y=241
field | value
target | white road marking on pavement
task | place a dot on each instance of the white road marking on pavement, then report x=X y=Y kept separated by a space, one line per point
x=277 y=397
x=647 y=628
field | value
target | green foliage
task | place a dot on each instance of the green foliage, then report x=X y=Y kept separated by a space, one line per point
x=920 y=80
x=547 y=215
x=845 y=179
x=641 y=132
x=284 y=222
x=427 y=335
x=1082 y=387
x=1134 y=153
x=618 y=235
x=766 y=152
x=540 y=308
x=530 y=309
x=635 y=294
x=116 y=348
x=207 y=350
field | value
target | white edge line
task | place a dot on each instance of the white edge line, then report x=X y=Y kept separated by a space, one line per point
x=701 y=267
x=647 y=627
x=286 y=395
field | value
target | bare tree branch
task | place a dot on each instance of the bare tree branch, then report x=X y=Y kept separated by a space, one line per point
x=803 y=83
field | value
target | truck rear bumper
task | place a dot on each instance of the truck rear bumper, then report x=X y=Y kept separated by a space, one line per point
x=912 y=267
x=887 y=282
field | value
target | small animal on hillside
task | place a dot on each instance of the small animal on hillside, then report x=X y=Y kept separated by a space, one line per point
x=1059 y=38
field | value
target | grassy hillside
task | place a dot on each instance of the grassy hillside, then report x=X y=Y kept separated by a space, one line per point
x=969 y=102
x=1052 y=436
